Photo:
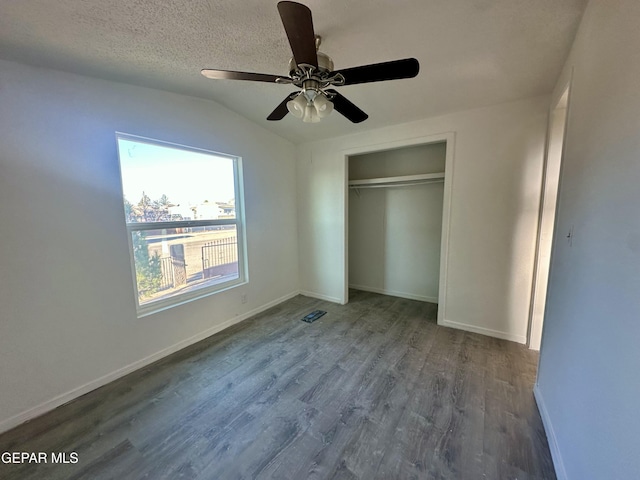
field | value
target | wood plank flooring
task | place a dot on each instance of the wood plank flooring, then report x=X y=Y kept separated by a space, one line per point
x=372 y=390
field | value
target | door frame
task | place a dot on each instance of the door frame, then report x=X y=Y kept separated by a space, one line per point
x=449 y=139
x=542 y=271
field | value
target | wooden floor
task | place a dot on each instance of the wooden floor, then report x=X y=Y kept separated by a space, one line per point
x=374 y=389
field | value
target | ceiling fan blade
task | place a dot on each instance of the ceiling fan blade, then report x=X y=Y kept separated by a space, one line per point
x=297 y=22
x=379 y=72
x=346 y=108
x=281 y=110
x=232 y=75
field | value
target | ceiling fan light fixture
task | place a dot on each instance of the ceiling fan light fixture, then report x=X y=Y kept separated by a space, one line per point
x=322 y=105
x=310 y=114
x=310 y=111
x=298 y=106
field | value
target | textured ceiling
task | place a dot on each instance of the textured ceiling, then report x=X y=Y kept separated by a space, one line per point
x=472 y=52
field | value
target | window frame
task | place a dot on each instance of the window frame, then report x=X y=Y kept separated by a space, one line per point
x=239 y=222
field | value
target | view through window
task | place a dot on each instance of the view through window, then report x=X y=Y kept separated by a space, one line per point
x=183 y=210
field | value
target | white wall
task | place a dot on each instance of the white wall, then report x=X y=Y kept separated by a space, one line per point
x=395 y=232
x=588 y=383
x=67 y=309
x=494 y=212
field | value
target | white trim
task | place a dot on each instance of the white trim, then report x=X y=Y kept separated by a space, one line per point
x=558 y=464
x=181 y=146
x=410 y=296
x=345 y=233
x=535 y=325
x=320 y=296
x=55 y=402
x=446 y=225
x=182 y=298
x=449 y=139
x=483 y=331
x=393 y=145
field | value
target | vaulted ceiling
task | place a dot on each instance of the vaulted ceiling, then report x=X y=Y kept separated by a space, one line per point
x=472 y=52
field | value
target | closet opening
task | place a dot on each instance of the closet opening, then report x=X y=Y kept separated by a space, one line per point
x=397 y=218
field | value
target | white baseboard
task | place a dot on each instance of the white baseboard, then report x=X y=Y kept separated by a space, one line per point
x=392 y=293
x=55 y=402
x=484 y=331
x=558 y=464
x=320 y=296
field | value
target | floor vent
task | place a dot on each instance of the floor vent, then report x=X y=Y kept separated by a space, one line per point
x=313 y=316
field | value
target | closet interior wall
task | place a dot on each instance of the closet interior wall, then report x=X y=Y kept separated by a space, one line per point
x=395 y=231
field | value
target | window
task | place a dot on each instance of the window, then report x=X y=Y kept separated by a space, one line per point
x=184 y=216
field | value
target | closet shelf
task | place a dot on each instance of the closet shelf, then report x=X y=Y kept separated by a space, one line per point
x=397 y=181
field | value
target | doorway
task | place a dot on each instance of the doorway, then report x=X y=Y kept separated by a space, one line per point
x=548 y=207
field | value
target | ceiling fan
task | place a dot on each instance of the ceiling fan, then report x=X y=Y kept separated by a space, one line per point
x=312 y=72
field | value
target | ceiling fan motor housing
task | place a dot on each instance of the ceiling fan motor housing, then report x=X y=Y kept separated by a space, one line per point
x=325 y=64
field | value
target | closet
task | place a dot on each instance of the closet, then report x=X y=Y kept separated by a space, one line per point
x=395 y=221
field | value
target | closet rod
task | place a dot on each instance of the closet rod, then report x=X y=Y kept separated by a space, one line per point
x=399 y=180
x=397 y=184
